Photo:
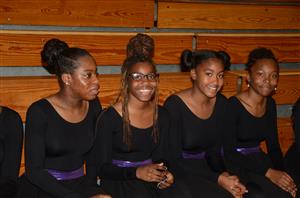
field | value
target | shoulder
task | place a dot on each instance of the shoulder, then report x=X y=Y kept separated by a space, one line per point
x=11 y=115
x=172 y=100
x=271 y=101
x=95 y=106
x=39 y=108
x=221 y=98
x=109 y=114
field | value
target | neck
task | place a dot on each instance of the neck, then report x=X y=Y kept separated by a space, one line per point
x=68 y=100
x=137 y=105
x=255 y=97
x=199 y=98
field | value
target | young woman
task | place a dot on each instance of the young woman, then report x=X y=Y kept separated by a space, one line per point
x=292 y=157
x=132 y=137
x=196 y=136
x=11 y=136
x=251 y=119
x=59 y=130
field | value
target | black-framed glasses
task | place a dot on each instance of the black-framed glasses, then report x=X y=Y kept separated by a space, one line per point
x=139 y=76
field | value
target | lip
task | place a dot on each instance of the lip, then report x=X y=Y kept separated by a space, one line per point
x=94 y=90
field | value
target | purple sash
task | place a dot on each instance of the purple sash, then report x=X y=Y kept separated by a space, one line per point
x=122 y=163
x=249 y=150
x=66 y=175
x=193 y=155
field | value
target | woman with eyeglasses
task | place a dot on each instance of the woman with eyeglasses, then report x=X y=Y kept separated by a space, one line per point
x=132 y=137
x=197 y=125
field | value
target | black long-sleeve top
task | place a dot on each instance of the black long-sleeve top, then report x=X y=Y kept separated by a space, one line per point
x=296 y=121
x=244 y=130
x=54 y=143
x=11 y=136
x=111 y=146
x=191 y=134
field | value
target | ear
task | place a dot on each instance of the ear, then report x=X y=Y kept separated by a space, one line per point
x=66 y=78
x=193 y=74
x=248 y=78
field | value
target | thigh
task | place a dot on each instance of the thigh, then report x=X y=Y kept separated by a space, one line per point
x=269 y=188
x=198 y=187
x=129 y=189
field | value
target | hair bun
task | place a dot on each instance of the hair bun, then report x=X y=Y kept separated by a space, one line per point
x=50 y=54
x=226 y=59
x=186 y=61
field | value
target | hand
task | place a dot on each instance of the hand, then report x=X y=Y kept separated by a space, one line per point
x=151 y=172
x=232 y=185
x=101 y=196
x=283 y=180
x=167 y=181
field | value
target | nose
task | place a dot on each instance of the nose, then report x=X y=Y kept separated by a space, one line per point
x=95 y=79
x=266 y=80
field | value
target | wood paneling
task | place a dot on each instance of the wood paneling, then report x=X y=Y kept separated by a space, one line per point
x=112 y=13
x=227 y=16
x=18 y=48
x=286 y=47
x=19 y=92
x=23 y=48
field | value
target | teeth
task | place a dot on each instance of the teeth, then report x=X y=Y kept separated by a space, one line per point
x=214 y=88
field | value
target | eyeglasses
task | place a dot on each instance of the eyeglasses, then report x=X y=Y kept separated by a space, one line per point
x=139 y=76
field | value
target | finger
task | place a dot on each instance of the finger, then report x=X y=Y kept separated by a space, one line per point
x=288 y=176
x=241 y=187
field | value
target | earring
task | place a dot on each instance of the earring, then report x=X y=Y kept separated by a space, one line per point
x=248 y=85
x=275 y=89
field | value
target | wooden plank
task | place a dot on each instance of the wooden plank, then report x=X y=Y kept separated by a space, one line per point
x=288 y=90
x=19 y=92
x=286 y=47
x=113 y=13
x=227 y=16
x=238 y=2
x=22 y=48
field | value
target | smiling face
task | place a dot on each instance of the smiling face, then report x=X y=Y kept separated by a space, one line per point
x=83 y=81
x=208 y=77
x=263 y=76
x=142 y=88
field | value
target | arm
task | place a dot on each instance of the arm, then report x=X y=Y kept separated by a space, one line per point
x=296 y=121
x=35 y=155
x=105 y=126
x=273 y=147
x=12 y=146
x=90 y=159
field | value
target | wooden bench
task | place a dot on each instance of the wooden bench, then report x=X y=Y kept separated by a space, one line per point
x=227 y=16
x=100 y=13
x=22 y=48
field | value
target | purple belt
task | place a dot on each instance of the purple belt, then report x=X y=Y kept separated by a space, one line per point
x=66 y=175
x=249 y=150
x=193 y=155
x=122 y=163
